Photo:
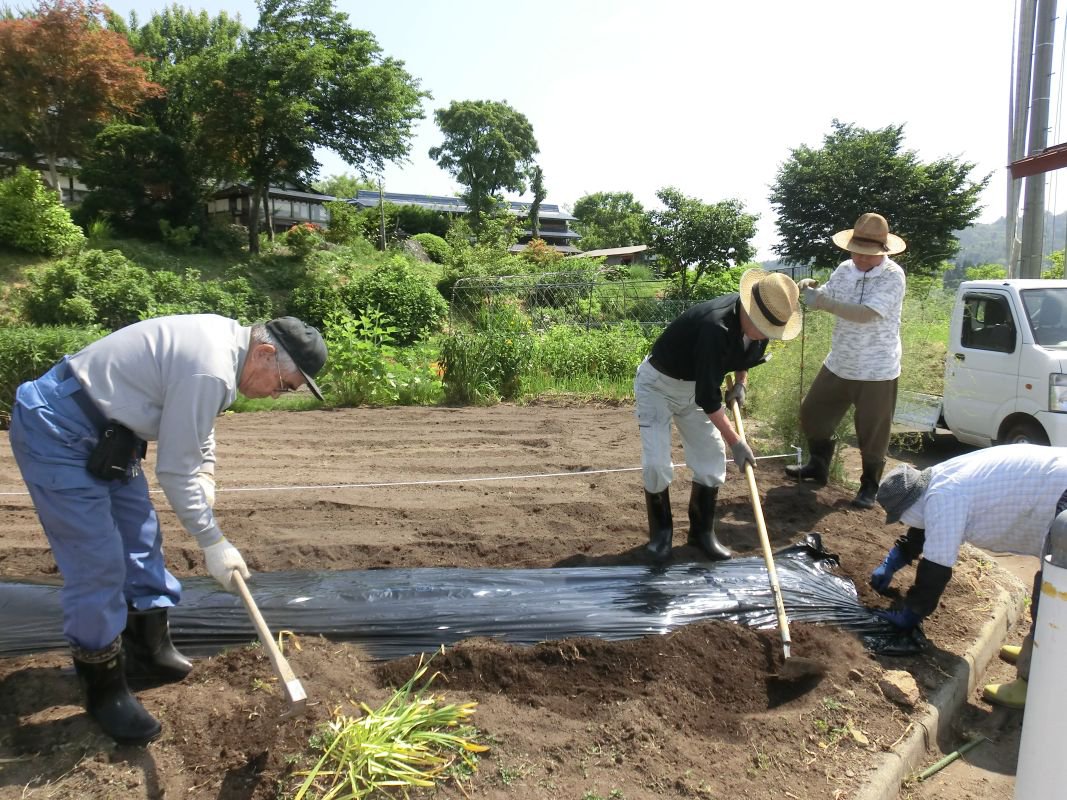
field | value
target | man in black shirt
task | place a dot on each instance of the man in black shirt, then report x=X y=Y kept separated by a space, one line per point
x=682 y=379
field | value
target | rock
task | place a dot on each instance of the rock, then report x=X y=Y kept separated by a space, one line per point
x=899 y=687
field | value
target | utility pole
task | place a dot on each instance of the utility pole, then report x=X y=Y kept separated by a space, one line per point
x=381 y=207
x=1033 y=233
x=1018 y=105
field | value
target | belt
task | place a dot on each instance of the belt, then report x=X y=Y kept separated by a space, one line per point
x=659 y=368
x=84 y=403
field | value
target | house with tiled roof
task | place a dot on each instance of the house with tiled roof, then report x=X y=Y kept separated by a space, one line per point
x=553 y=221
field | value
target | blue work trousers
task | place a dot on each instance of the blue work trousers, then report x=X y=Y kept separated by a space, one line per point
x=104 y=535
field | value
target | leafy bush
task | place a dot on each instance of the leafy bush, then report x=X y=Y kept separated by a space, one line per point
x=365 y=369
x=317 y=298
x=987 y=272
x=541 y=256
x=571 y=280
x=303 y=239
x=223 y=237
x=410 y=303
x=106 y=288
x=27 y=353
x=710 y=285
x=92 y=287
x=180 y=237
x=346 y=225
x=471 y=257
x=33 y=219
x=435 y=246
x=487 y=364
x=612 y=353
x=190 y=294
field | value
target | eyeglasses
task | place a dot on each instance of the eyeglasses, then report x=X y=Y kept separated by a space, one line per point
x=283 y=387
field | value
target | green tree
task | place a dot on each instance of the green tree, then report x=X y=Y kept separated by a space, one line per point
x=610 y=219
x=343 y=186
x=170 y=169
x=693 y=235
x=537 y=186
x=305 y=79
x=488 y=146
x=820 y=191
x=138 y=178
x=63 y=76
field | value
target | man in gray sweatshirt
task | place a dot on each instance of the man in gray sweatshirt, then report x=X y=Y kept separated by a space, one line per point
x=79 y=433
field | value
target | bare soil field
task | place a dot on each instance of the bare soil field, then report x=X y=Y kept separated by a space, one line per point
x=693 y=714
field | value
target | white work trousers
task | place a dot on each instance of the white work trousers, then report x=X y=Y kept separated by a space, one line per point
x=660 y=399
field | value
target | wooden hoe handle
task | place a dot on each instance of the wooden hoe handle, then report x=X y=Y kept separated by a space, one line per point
x=294 y=690
x=765 y=542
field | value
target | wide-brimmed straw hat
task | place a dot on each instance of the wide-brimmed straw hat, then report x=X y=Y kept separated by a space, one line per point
x=870 y=237
x=771 y=301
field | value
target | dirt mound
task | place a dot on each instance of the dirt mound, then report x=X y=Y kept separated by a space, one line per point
x=696 y=713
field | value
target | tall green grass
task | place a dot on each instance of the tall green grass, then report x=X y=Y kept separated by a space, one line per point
x=779 y=386
x=27 y=353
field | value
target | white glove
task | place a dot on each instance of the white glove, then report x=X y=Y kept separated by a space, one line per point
x=207 y=485
x=811 y=296
x=222 y=559
x=808 y=283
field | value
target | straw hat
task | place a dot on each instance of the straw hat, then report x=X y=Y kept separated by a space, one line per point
x=771 y=300
x=870 y=237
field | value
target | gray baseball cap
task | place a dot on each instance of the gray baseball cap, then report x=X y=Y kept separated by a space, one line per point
x=899 y=490
x=304 y=345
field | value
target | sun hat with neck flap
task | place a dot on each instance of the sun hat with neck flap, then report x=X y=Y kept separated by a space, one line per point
x=870 y=237
x=771 y=301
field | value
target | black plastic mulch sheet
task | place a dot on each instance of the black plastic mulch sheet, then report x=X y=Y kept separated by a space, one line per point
x=399 y=612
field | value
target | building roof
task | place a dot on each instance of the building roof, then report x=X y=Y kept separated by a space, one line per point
x=566 y=249
x=547 y=234
x=368 y=198
x=275 y=191
x=617 y=251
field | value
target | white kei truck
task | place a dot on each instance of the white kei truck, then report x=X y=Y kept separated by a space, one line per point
x=1005 y=367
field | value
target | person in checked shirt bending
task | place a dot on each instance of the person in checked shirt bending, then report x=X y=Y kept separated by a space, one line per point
x=1001 y=498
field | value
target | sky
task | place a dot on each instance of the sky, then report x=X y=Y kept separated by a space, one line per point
x=707 y=96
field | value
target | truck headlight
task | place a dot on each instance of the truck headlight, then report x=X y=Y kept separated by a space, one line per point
x=1057 y=392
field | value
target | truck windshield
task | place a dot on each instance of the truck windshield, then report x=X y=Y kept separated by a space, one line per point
x=1046 y=309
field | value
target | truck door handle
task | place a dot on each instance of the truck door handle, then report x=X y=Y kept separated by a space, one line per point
x=961 y=357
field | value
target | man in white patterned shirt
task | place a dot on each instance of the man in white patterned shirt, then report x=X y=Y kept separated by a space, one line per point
x=866 y=294
x=1000 y=498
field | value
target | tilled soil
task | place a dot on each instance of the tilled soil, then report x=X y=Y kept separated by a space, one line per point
x=696 y=713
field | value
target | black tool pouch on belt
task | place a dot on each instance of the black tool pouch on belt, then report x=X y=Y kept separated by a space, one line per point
x=113 y=455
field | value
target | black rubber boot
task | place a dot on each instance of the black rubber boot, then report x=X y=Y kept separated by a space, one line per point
x=869 y=478
x=702 y=501
x=108 y=699
x=817 y=470
x=660 y=524
x=150 y=654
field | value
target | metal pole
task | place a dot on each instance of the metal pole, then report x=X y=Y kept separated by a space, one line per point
x=1034 y=194
x=1018 y=104
x=1039 y=775
x=381 y=206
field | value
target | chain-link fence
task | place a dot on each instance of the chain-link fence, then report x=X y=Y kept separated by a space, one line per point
x=567 y=298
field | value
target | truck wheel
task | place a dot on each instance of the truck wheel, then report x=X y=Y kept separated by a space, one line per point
x=1025 y=432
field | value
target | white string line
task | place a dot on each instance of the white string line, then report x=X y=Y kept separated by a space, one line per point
x=435 y=482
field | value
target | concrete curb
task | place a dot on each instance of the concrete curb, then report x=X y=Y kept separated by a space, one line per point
x=946 y=702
